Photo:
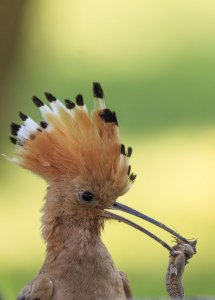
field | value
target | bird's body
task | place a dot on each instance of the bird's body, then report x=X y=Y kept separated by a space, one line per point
x=80 y=156
x=78 y=264
x=82 y=268
x=87 y=169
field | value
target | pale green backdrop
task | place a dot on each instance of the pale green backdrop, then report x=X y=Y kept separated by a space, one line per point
x=156 y=62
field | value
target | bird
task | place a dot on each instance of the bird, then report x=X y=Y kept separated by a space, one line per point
x=87 y=168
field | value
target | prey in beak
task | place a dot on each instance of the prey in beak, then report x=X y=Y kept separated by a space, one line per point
x=179 y=255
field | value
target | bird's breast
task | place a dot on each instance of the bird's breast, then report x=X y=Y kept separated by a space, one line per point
x=84 y=272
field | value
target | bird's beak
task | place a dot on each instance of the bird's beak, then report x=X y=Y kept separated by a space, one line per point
x=126 y=209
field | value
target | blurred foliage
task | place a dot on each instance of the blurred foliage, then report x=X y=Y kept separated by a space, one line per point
x=155 y=60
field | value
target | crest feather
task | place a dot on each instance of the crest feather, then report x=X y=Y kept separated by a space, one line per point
x=70 y=142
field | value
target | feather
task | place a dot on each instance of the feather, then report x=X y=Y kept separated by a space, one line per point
x=70 y=142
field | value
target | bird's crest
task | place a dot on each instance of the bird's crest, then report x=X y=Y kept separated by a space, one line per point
x=70 y=142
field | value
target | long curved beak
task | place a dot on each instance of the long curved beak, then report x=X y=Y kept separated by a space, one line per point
x=126 y=209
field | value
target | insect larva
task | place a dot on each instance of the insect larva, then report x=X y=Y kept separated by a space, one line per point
x=178 y=259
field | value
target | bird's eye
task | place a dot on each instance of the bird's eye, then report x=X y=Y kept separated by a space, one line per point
x=87 y=196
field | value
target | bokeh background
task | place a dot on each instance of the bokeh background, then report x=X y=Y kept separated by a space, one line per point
x=156 y=62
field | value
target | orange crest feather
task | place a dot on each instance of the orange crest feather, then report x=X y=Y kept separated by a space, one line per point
x=72 y=143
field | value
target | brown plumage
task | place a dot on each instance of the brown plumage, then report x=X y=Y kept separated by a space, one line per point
x=87 y=169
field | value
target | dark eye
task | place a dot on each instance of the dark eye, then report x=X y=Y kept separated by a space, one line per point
x=87 y=196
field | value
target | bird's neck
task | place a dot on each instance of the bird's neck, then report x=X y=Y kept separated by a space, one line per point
x=77 y=260
x=71 y=244
x=66 y=232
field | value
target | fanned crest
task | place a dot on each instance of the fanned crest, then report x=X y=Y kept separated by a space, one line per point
x=70 y=142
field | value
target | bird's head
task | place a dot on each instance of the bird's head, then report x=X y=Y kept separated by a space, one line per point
x=78 y=153
x=81 y=157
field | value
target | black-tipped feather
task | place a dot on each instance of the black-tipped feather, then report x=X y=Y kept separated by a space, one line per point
x=129 y=170
x=132 y=177
x=14 y=128
x=79 y=100
x=115 y=118
x=97 y=90
x=50 y=97
x=43 y=124
x=108 y=116
x=13 y=140
x=69 y=104
x=122 y=149
x=129 y=152
x=37 y=101
x=23 y=117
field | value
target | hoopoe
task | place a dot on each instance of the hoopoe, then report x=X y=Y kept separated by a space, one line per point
x=86 y=168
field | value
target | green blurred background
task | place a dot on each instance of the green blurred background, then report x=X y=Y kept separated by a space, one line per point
x=156 y=62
